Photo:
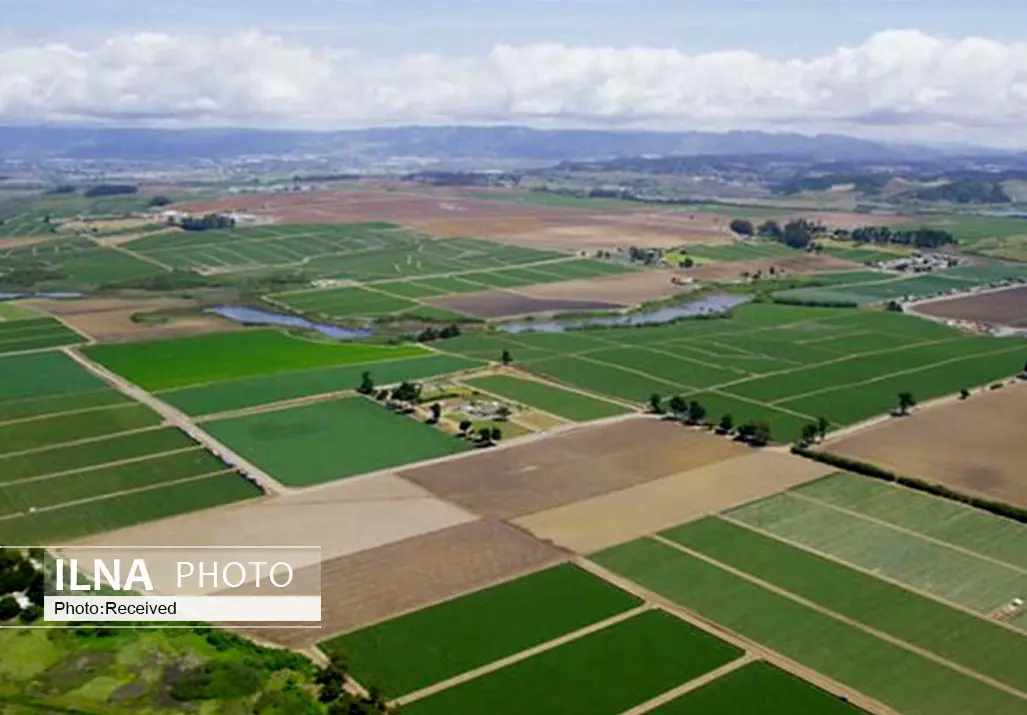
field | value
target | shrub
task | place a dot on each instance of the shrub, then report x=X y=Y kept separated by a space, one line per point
x=216 y=681
x=9 y=608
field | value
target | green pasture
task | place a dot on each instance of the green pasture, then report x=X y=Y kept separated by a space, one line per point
x=167 y=364
x=957 y=524
x=53 y=374
x=77 y=486
x=72 y=521
x=758 y=685
x=893 y=675
x=603 y=673
x=434 y=644
x=97 y=452
x=250 y=392
x=548 y=398
x=56 y=404
x=329 y=440
x=71 y=427
x=972 y=642
x=14 y=311
x=35 y=334
x=956 y=576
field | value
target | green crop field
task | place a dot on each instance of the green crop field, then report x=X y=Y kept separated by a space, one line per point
x=757 y=685
x=14 y=311
x=603 y=673
x=786 y=365
x=989 y=535
x=889 y=673
x=429 y=646
x=93 y=453
x=886 y=287
x=972 y=642
x=345 y=302
x=104 y=266
x=166 y=364
x=35 y=334
x=739 y=251
x=54 y=491
x=71 y=427
x=954 y=575
x=549 y=398
x=56 y=404
x=73 y=521
x=330 y=440
x=240 y=394
x=43 y=375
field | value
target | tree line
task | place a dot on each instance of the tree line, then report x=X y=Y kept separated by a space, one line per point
x=801 y=234
x=208 y=222
x=693 y=412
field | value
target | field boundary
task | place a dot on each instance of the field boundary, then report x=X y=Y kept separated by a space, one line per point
x=693 y=684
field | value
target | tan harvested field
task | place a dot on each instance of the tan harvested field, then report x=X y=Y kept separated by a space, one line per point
x=626 y=289
x=505 y=304
x=1000 y=307
x=450 y=215
x=24 y=241
x=552 y=471
x=788 y=265
x=110 y=319
x=974 y=445
x=382 y=583
x=593 y=524
x=342 y=518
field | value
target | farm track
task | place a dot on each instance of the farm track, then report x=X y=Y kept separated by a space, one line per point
x=275 y=406
x=105 y=465
x=178 y=419
x=691 y=685
x=881 y=635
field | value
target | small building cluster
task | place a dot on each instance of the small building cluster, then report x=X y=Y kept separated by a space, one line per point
x=920 y=263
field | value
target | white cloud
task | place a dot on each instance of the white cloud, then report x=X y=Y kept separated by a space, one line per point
x=898 y=82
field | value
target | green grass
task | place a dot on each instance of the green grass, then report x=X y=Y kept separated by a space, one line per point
x=969 y=641
x=24 y=377
x=330 y=440
x=240 y=394
x=59 y=429
x=897 y=677
x=548 y=398
x=953 y=523
x=758 y=685
x=91 y=454
x=52 y=491
x=13 y=311
x=932 y=567
x=78 y=520
x=428 y=646
x=166 y=364
x=603 y=673
x=55 y=404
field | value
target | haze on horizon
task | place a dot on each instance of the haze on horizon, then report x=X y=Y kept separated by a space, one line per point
x=912 y=70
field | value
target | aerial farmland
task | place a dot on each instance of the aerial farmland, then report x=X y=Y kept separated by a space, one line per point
x=526 y=488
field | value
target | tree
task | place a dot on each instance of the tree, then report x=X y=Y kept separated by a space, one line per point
x=158 y=201
x=761 y=437
x=906 y=402
x=687 y=263
x=436 y=413
x=9 y=608
x=506 y=358
x=743 y=227
x=450 y=331
x=332 y=678
x=771 y=229
x=427 y=335
x=696 y=413
x=31 y=614
x=366 y=384
x=677 y=405
x=964 y=393
x=382 y=395
x=465 y=427
x=822 y=427
x=485 y=436
x=809 y=433
x=495 y=434
x=655 y=404
x=503 y=413
x=727 y=423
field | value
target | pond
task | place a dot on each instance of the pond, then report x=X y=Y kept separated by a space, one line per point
x=710 y=305
x=252 y=316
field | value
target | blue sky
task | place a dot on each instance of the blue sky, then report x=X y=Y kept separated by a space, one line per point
x=774 y=28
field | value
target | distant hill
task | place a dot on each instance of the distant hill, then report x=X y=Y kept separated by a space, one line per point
x=35 y=143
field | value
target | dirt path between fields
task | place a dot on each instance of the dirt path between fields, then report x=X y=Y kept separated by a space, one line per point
x=855 y=697
x=275 y=406
x=881 y=635
x=105 y=465
x=691 y=685
x=180 y=420
x=518 y=657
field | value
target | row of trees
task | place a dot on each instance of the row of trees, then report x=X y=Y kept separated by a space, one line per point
x=919 y=237
x=693 y=412
x=18 y=575
x=208 y=222
x=800 y=233
x=430 y=334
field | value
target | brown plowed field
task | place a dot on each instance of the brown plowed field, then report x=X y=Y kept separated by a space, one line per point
x=974 y=445
x=1000 y=307
x=601 y=522
x=550 y=472
x=627 y=289
x=110 y=319
x=806 y=263
x=502 y=304
x=450 y=215
x=382 y=583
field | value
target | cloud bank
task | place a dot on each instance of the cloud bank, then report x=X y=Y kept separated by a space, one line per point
x=903 y=82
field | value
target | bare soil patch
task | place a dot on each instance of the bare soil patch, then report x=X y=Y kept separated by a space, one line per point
x=512 y=482
x=502 y=304
x=375 y=585
x=110 y=319
x=24 y=241
x=805 y=263
x=448 y=214
x=973 y=445
x=626 y=289
x=1002 y=307
x=342 y=518
x=598 y=523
